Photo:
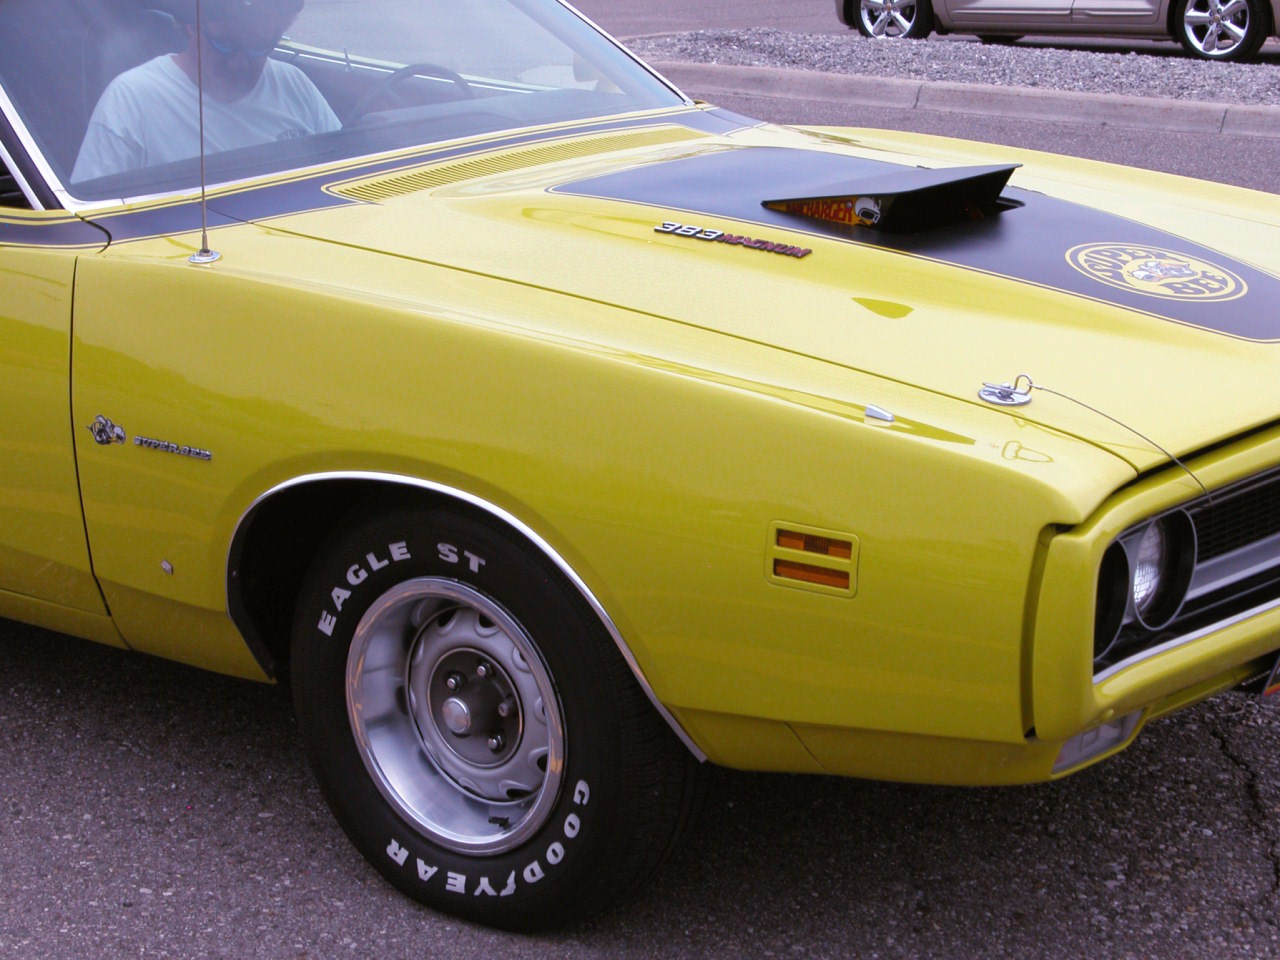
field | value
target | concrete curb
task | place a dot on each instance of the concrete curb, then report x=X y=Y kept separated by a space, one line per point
x=1027 y=103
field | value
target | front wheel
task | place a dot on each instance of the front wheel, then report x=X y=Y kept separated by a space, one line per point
x=895 y=19
x=476 y=732
x=1221 y=29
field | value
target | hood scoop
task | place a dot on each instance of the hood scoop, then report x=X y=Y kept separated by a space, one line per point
x=907 y=200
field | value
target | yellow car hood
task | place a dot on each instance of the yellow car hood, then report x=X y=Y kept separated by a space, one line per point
x=1143 y=338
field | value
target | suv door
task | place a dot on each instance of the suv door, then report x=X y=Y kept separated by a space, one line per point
x=1008 y=14
x=1100 y=14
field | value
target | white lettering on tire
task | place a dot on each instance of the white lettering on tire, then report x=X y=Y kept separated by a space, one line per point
x=397 y=853
x=451 y=554
x=356 y=575
x=532 y=872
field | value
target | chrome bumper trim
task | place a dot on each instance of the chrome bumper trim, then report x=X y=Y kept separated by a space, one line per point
x=1184 y=639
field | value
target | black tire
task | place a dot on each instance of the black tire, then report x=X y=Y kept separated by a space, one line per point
x=1218 y=30
x=413 y=628
x=894 y=19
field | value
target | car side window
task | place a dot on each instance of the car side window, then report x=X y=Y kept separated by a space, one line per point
x=11 y=194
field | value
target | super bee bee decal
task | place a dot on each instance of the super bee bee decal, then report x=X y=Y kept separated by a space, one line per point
x=105 y=432
x=1156 y=271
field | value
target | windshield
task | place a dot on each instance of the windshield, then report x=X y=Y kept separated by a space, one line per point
x=108 y=88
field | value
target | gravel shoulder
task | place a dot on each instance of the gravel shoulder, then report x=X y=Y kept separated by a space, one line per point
x=1072 y=70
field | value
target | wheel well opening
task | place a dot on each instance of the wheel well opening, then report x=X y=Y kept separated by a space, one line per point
x=275 y=547
x=282 y=536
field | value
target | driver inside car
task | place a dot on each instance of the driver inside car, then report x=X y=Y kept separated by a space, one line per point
x=150 y=115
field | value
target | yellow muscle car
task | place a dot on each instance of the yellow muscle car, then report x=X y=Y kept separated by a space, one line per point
x=552 y=433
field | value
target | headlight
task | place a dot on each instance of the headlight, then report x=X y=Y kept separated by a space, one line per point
x=1149 y=561
x=1144 y=579
x=1162 y=556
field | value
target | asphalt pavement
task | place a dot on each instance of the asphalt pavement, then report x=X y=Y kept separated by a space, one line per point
x=972 y=99
x=152 y=810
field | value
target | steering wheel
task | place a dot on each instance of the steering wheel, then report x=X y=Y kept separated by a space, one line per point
x=403 y=73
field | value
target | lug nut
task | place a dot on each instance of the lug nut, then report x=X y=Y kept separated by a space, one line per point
x=482 y=670
x=505 y=708
x=497 y=742
x=454 y=681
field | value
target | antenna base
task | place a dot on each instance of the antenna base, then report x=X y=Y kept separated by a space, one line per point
x=205 y=256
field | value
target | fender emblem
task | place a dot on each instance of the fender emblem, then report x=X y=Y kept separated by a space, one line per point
x=164 y=446
x=105 y=432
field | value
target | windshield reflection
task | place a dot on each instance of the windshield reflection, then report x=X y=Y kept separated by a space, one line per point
x=291 y=83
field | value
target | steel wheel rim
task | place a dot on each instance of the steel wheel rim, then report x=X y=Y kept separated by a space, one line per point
x=888 y=19
x=1214 y=28
x=429 y=745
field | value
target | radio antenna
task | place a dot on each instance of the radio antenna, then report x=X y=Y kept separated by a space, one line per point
x=204 y=254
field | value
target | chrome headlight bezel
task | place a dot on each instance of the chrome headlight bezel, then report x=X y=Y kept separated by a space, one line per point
x=1144 y=577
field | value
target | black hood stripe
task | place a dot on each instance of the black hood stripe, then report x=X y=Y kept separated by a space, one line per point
x=1054 y=244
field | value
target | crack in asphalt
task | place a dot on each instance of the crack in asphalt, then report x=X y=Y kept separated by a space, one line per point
x=1257 y=813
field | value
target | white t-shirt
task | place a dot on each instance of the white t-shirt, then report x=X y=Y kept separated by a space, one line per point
x=150 y=115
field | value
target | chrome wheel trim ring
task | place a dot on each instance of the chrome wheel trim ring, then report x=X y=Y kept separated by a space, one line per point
x=888 y=19
x=1214 y=28
x=405 y=648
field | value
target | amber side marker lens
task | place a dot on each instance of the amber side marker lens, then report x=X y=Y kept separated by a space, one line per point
x=789 y=570
x=810 y=543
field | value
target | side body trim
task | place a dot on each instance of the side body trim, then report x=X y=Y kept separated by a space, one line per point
x=235 y=611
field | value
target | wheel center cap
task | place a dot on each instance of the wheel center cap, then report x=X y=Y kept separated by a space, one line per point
x=470 y=706
x=456 y=716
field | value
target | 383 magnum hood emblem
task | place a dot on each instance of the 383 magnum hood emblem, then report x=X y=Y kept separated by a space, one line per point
x=1156 y=271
